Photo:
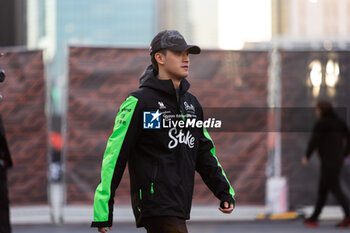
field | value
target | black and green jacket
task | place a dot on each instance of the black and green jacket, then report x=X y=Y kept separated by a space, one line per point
x=162 y=162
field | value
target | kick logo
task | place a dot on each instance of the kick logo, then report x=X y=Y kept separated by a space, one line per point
x=151 y=120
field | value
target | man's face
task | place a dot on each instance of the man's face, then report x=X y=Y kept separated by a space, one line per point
x=176 y=64
x=318 y=112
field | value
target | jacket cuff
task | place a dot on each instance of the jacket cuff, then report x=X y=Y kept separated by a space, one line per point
x=228 y=199
x=101 y=224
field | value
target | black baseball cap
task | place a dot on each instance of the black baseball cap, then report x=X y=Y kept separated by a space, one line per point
x=172 y=40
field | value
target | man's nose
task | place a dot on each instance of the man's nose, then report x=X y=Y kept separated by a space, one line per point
x=186 y=58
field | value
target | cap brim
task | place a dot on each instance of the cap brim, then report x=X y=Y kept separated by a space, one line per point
x=193 y=49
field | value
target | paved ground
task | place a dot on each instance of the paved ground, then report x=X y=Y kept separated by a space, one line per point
x=291 y=226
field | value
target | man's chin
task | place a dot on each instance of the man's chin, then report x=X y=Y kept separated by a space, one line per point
x=184 y=75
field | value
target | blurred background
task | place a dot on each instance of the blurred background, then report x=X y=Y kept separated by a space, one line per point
x=71 y=63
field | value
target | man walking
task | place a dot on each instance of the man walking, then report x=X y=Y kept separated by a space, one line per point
x=331 y=139
x=162 y=153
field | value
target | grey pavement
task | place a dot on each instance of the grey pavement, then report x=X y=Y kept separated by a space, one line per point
x=265 y=226
x=204 y=219
x=74 y=214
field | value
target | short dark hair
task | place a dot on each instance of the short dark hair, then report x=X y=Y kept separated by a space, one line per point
x=326 y=108
x=154 y=61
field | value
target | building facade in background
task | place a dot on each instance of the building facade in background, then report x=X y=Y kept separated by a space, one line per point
x=215 y=24
x=197 y=20
x=311 y=20
x=53 y=25
x=12 y=23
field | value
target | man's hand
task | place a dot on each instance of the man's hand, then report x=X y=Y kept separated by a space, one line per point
x=304 y=161
x=103 y=230
x=228 y=208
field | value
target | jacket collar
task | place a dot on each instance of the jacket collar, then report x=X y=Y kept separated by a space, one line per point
x=148 y=79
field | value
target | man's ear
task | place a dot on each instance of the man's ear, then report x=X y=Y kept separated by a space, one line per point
x=159 y=58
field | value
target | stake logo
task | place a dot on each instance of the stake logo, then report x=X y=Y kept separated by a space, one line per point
x=180 y=137
x=151 y=120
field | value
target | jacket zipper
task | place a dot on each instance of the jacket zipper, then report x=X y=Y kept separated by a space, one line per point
x=155 y=171
x=179 y=107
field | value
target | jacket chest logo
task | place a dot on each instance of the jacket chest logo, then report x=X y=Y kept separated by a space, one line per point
x=189 y=107
x=161 y=105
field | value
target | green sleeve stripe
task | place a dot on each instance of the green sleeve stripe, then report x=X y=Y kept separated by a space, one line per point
x=110 y=157
x=212 y=150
